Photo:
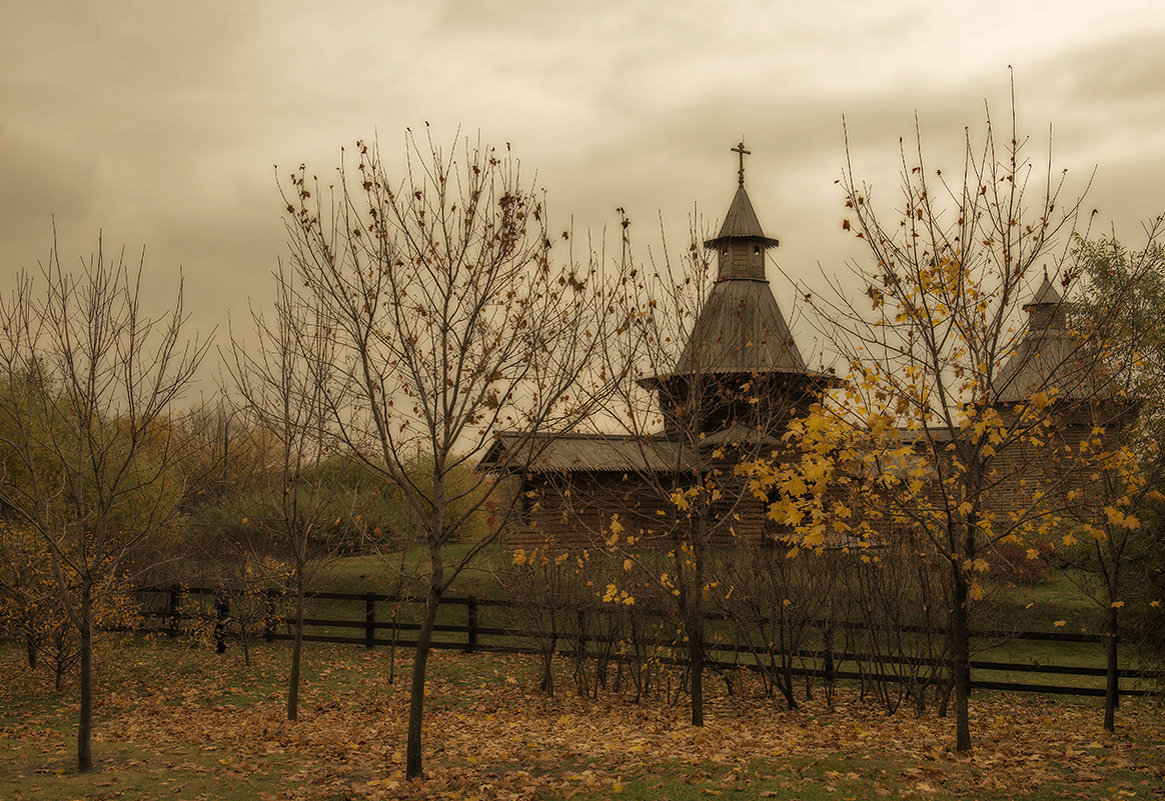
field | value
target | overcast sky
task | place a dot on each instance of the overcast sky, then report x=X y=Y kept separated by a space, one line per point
x=160 y=122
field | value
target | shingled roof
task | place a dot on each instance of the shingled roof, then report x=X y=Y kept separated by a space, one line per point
x=741 y=222
x=1049 y=355
x=571 y=453
x=740 y=330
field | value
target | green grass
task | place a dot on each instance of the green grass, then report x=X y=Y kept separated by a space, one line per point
x=1039 y=606
x=382 y=573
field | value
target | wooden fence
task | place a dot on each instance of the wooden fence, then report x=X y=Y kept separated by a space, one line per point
x=368 y=631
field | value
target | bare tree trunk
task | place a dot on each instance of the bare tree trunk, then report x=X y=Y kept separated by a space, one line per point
x=687 y=615
x=296 y=648
x=85 y=721
x=413 y=768
x=30 y=647
x=1112 y=675
x=960 y=658
x=696 y=659
x=392 y=646
x=546 y=684
x=694 y=622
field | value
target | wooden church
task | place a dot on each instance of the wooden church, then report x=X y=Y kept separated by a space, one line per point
x=735 y=386
x=737 y=382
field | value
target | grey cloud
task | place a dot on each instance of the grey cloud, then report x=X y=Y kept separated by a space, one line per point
x=161 y=126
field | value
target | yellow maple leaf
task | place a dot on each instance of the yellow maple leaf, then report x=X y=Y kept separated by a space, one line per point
x=975 y=593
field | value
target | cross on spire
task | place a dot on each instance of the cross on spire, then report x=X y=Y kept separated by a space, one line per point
x=740 y=151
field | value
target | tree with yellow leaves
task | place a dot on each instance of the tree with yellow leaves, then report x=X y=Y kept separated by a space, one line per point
x=962 y=423
x=31 y=605
x=1119 y=309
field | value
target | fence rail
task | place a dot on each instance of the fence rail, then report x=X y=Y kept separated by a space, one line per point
x=473 y=631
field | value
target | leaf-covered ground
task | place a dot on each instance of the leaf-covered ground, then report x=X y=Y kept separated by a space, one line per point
x=176 y=722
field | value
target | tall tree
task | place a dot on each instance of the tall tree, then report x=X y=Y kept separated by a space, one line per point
x=90 y=443
x=711 y=378
x=1118 y=315
x=451 y=321
x=953 y=403
x=283 y=379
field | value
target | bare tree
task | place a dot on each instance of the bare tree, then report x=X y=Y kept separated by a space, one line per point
x=714 y=379
x=90 y=444
x=711 y=376
x=283 y=380
x=452 y=322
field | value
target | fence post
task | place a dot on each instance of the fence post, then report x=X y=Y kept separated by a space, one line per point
x=471 y=614
x=369 y=619
x=174 y=611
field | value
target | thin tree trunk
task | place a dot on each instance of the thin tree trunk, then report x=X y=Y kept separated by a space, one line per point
x=296 y=649
x=683 y=585
x=696 y=659
x=85 y=720
x=413 y=768
x=547 y=683
x=787 y=689
x=392 y=647
x=694 y=622
x=960 y=659
x=1112 y=676
x=30 y=646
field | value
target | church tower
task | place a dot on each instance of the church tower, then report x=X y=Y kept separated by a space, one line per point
x=1049 y=356
x=740 y=365
x=1052 y=358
